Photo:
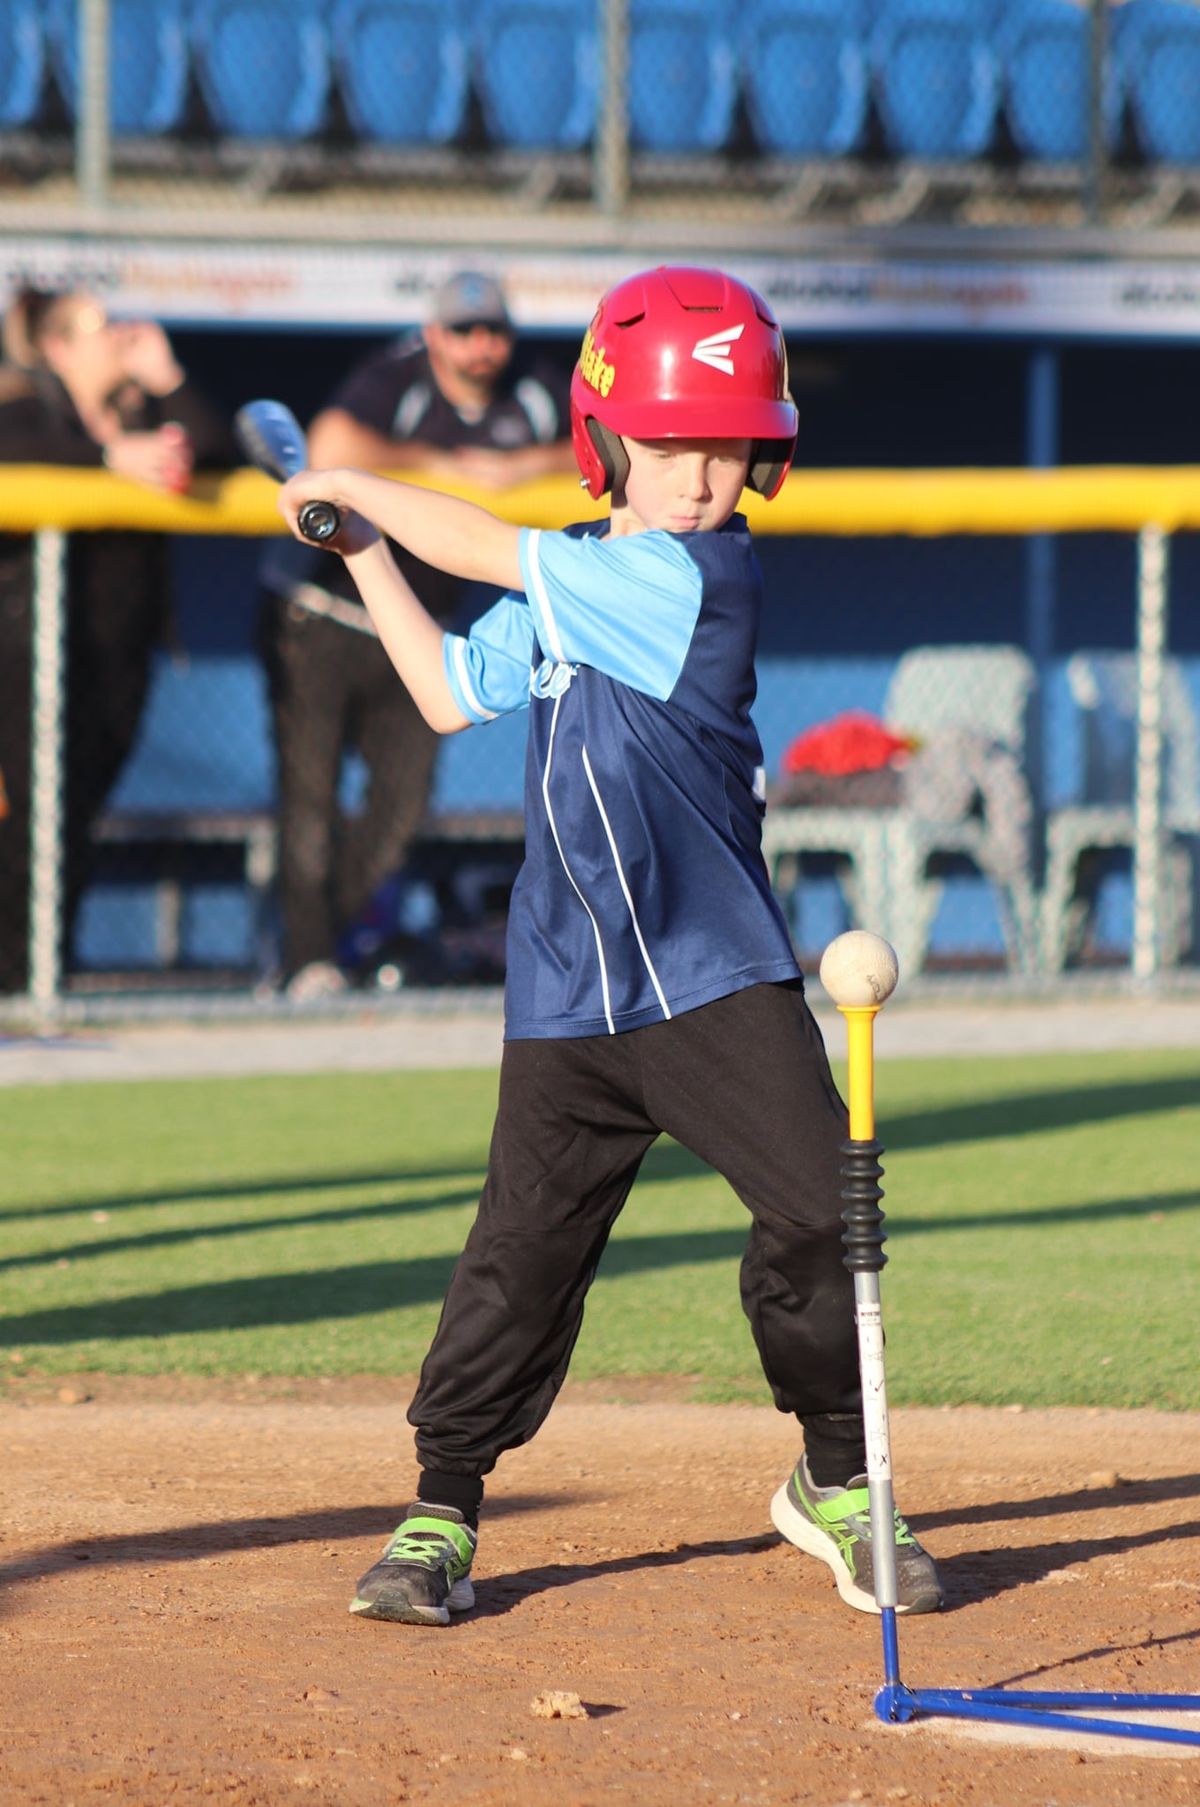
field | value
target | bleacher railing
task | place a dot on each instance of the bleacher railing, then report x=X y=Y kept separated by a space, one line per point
x=1150 y=503
x=870 y=109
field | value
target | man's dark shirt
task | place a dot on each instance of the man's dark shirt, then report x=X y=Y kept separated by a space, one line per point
x=394 y=393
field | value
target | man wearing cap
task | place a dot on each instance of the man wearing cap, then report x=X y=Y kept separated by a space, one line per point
x=458 y=401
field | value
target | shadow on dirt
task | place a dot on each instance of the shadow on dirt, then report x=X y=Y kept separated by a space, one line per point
x=501 y=1593
x=200 y=1541
x=1080 y=1499
x=968 y=1577
x=1024 y=1676
x=979 y=1574
x=974 y=1575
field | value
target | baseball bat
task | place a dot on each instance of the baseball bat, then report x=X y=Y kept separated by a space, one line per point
x=272 y=439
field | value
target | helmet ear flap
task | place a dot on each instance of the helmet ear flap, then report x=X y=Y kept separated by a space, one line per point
x=770 y=462
x=614 y=459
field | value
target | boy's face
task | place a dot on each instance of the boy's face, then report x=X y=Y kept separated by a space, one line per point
x=681 y=485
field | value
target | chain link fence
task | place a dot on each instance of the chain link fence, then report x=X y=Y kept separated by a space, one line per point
x=869 y=112
x=138 y=810
x=994 y=816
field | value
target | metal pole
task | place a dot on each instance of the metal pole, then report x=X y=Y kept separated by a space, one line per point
x=1153 y=548
x=1094 y=175
x=1041 y=453
x=610 y=167
x=1042 y=450
x=93 y=142
x=863 y=1239
x=46 y=789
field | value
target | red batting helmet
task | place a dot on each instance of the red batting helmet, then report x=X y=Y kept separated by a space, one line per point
x=679 y=353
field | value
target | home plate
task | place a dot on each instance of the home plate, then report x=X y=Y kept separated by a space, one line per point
x=1100 y=1744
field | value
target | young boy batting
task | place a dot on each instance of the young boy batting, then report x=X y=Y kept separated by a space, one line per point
x=651 y=983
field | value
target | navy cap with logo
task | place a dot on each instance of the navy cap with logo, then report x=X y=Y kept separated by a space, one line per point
x=467 y=297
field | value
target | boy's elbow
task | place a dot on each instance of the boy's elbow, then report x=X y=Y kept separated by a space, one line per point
x=446 y=718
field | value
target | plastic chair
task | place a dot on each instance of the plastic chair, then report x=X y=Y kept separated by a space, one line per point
x=937 y=77
x=1046 y=50
x=1104 y=687
x=147 y=63
x=890 y=854
x=682 y=75
x=536 y=68
x=22 y=62
x=264 y=66
x=806 y=76
x=403 y=69
x=975 y=690
x=1157 y=46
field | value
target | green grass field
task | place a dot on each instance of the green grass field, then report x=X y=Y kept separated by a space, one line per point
x=1044 y=1220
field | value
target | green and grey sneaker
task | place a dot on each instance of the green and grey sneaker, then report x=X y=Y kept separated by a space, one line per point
x=834 y=1523
x=425 y=1573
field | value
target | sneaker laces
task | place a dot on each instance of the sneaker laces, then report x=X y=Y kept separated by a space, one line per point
x=860 y=1516
x=426 y=1548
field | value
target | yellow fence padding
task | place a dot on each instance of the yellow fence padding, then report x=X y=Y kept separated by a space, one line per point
x=1084 y=498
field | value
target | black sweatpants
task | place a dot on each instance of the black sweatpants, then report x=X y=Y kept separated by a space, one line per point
x=333 y=688
x=745 y=1084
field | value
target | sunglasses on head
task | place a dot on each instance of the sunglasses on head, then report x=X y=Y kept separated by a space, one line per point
x=462 y=329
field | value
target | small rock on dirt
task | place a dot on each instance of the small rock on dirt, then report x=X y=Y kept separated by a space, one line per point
x=557 y=1703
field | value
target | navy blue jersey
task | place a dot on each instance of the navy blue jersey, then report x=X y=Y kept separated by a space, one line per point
x=643 y=893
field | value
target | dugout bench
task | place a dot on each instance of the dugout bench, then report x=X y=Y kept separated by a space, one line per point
x=170 y=851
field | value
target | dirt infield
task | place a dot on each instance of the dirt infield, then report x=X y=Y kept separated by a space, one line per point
x=178 y=1557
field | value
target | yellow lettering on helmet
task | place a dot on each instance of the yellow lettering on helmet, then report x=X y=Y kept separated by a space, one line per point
x=596 y=370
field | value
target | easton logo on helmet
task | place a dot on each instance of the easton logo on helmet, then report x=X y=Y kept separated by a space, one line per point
x=715 y=350
x=595 y=368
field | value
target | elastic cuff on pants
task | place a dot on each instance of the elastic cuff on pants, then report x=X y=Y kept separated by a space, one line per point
x=462 y=1491
x=835 y=1445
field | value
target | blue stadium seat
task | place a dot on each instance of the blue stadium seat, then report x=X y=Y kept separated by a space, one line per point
x=682 y=75
x=806 y=76
x=1157 y=43
x=147 y=63
x=937 y=77
x=1046 y=51
x=264 y=66
x=536 y=63
x=22 y=62
x=403 y=69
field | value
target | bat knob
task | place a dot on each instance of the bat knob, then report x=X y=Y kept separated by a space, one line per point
x=319 y=522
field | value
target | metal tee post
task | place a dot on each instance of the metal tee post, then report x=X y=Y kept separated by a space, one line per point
x=859 y=971
x=863 y=1239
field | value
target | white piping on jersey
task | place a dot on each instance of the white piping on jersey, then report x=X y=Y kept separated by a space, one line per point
x=637 y=927
x=458 y=652
x=534 y=545
x=608 y=1017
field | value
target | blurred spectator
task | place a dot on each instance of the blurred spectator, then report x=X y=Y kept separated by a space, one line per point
x=77 y=388
x=457 y=400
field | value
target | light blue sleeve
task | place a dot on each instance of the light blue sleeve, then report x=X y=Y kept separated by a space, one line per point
x=488 y=669
x=627 y=607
